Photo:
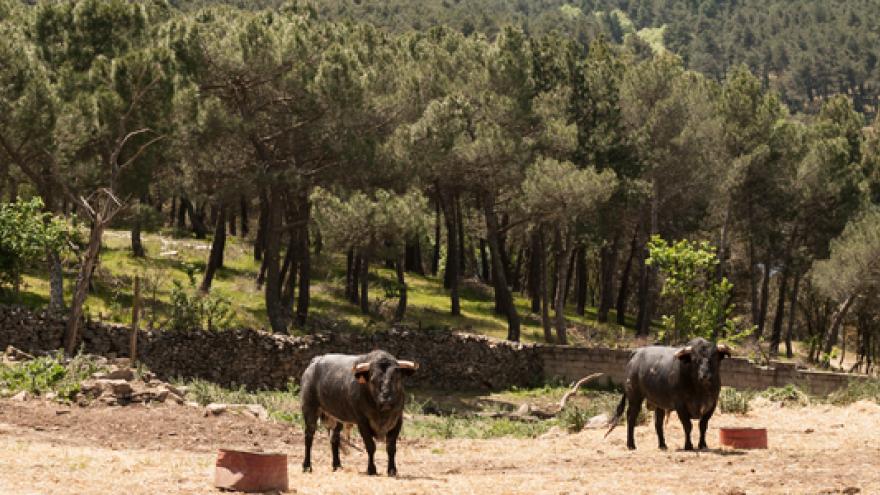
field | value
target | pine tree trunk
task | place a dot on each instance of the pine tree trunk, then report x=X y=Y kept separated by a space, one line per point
x=81 y=290
x=288 y=273
x=545 y=292
x=765 y=299
x=181 y=214
x=232 y=227
x=535 y=262
x=172 y=215
x=792 y=316
x=452 y=255
x=484 y=263
x=365 y=285
x=643 y=319
x=260 y=241
x=56 y=280
x=218 y=245
x=244 y=216
x=303 y=300
x=608 y=260
x=356 y=278
x=401 y=283
x=503 y=297
x=349 y=265
x=623 y=293
x=779 y=317
x=581 y=281
x=836 y=323
x=414 y=256
x=563 y=254
x=137 y=245
x=435 y=257
x=459 y=222
x=274 y=304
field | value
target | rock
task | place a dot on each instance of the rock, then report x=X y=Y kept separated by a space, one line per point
x=51 y=395
x=22 y=396
x=119 y=388
x=126 y=374
x=258 y=411
x=524 y=410
x=596 y=422
x=215 y=409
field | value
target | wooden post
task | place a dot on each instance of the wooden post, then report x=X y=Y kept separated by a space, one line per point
x=135 y=314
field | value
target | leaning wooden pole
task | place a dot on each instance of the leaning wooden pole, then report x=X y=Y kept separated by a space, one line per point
x=135 y=315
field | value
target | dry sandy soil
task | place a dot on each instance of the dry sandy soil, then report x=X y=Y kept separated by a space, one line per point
x=50 y=449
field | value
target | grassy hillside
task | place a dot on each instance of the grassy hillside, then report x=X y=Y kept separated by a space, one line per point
x=172 y=259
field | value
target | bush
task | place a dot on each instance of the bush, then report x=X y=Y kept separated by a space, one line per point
x=733 y=401
x=192 y=310
x=788 y=395
x=49 y=374
x=573 y=419
x=855 y=391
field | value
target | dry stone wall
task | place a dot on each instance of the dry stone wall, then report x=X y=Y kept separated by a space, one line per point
x=258 y=360
x=449 y=361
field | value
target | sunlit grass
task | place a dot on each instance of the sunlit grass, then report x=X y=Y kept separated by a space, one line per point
x=182 y=259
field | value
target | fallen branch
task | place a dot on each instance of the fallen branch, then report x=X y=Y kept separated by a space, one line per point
x=575 y=388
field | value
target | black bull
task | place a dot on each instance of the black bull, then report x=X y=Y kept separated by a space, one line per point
x=366 y=391
x=685 y=380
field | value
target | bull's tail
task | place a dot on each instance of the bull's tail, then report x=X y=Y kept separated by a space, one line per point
x=617 y=415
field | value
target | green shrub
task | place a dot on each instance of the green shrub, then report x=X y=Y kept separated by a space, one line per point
x=573 y=419
x=789 y=395
x=49 y=374
x=191 y=310
x=732 y=401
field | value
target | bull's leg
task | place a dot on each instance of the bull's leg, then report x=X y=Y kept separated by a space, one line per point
x=334 y=445
x=632 y=417
x=391 y=446
x=370 y=444
x=658 y=425
x=685 y=418
x=310 y=411
x=704 y=424
x=310 y=418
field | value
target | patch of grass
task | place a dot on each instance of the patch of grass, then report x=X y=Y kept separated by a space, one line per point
x=452 y=426
x=855 y=391
x=788 y=395
x=733 y=401
x=49 y=374
x=282 y=405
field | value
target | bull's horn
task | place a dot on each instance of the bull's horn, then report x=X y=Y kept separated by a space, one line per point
x=410 y=365
x=361 y=368
x=684 y=351
x=722 y=348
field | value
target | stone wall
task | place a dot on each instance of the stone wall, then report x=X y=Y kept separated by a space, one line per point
x=572 y=363
x=255 y=359
x=449 y=361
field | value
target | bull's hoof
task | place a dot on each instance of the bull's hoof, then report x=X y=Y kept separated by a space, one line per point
x=703 y=446
x=371 y=471
x=689 y=447
x=662 y=446
x=337 y=468
x=631 y=446
x=307 y=469
x=392 y=472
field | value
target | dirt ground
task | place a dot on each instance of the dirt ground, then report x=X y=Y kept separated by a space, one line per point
x=46 y=448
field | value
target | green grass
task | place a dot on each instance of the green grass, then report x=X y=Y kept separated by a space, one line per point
x=112 y=295
x=48 y=374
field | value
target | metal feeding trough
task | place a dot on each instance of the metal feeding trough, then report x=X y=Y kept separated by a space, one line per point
x=744 y=438
x=251 y=472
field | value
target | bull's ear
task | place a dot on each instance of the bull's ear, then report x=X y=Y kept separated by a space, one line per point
x=684 y=353
x=723 y=351
x=362 y=372
x=407 y=367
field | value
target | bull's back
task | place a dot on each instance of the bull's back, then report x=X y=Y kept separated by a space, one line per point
x=333 y=385
x=652 y=373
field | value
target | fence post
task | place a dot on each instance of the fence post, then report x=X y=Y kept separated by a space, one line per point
x=135 y=314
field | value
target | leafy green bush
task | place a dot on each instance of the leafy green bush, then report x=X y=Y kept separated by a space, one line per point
x=855 y=391
x=191 y=310
x=789 y=395
x=26 y=232
x=732 y=401
x=49 y=374
x=573 y=419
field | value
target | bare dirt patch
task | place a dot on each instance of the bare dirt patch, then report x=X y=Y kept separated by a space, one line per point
x=171 y=450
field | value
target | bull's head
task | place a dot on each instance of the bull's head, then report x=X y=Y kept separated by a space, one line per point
x=383 y=375
x=700 y=359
